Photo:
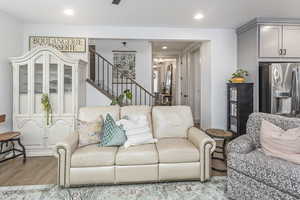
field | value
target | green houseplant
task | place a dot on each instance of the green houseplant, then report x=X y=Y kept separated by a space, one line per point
x=239 y=76
x=127 y=95
x=47 y=108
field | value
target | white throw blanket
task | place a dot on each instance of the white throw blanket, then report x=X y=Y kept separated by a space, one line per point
x=137 y=130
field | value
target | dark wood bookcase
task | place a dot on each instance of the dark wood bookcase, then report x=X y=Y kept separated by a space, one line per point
x=240 y=106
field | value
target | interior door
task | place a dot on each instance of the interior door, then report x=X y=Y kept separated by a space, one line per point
x=291 y=41
x=270 y=41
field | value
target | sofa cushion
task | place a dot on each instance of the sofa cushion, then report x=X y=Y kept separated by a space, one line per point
x=275 y=172
x=89 y=114
x=93 y=155
x=176 y=150
x=171 y=121
x=137 y=155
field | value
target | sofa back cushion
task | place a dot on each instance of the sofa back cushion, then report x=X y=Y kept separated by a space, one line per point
x=90 y=114
x=171 y=121
x=255 y=120
x=133 y=111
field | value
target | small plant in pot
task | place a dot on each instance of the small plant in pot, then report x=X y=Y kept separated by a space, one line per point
x=126 y=95
x=239 y=76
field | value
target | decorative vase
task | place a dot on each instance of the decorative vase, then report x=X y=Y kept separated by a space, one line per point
x=238 y=80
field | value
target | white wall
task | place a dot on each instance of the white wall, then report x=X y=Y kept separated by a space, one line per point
x=10 y=45
x=223 y=51
x=143 y=57
x=95 y=98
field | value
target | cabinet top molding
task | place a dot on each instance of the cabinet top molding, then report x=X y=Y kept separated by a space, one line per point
x=266 y=20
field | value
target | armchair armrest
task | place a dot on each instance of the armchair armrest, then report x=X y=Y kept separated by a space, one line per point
x=243 y=145
x=64 y=150
x=206 y=146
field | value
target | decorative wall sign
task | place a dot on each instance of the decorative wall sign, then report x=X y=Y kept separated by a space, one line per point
x=125 y=62
x=63 y=44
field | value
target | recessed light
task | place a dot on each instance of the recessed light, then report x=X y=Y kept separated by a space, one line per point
x=199 y=16
x=69 y=12
x=164 y=47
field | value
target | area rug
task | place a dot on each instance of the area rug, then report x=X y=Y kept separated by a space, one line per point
x=212 y=190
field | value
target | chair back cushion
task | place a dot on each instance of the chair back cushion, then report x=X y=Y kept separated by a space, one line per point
x=90 y=114
x=255 y=120
x=171 y=121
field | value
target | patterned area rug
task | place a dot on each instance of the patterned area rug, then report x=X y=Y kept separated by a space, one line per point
x=212 y=190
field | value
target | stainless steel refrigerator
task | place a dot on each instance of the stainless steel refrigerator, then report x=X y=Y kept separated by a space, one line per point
x=279 y=88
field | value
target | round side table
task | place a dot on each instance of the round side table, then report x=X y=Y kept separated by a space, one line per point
x=220 y=134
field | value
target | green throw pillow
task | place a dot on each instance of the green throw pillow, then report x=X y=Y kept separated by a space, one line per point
x=113 y=135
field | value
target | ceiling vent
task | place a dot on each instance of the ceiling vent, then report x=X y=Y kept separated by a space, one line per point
x=116 y=2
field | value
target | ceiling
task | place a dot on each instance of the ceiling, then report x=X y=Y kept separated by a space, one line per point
x=167 y=13
x=173 y=46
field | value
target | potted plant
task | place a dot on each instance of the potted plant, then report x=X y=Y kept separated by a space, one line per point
x=119 y=100
x=239 y=76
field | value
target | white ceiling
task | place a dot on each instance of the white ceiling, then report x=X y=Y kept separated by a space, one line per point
x=173 y=46
x=168 y=13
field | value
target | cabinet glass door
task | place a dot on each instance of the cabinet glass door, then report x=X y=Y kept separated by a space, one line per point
x=38 y=84
x=53 y=83
x=23 y=89
x=68 y=89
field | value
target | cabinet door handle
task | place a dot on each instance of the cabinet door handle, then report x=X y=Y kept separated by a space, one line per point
x=280 y=52
x=284 y=51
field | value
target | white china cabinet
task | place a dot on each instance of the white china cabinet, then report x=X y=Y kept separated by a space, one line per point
x=45 y=70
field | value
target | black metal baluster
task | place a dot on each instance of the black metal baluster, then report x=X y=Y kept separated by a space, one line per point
x=117 y=82
x=107 y=66
x=135 y=95
x=145 y=100
x=98 y=68
x=131 y=92
x=140 y=96
x=103 y=74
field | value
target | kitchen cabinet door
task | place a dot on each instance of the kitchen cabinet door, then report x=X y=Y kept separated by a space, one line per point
x=291 y=41
x=270 y=41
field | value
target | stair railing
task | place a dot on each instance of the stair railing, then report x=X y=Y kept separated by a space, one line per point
x=110 y=80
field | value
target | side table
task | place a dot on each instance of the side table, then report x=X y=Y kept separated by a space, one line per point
x=12 y=137
x=221 y=134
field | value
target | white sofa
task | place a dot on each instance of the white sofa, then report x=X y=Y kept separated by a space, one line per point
x=182 y=152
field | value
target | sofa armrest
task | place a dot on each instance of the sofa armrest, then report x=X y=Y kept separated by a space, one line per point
x=64 y=150
x=243 y=145
x=206 y=146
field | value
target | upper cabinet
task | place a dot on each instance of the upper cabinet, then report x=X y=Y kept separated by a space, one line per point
x=270 y=41
x=291 y=41
x=279 y=41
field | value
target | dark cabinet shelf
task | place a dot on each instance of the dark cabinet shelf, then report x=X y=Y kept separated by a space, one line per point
x=240 y=106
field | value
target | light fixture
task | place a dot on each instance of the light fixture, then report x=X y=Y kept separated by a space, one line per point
x=164 y=47
x=69 y=12
x=199 y=16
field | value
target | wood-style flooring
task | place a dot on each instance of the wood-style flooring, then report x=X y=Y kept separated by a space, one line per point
x=42 y=171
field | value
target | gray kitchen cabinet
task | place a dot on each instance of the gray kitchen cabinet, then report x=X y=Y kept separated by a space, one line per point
x=279 y=41
x=291 y=41
x=270 y=41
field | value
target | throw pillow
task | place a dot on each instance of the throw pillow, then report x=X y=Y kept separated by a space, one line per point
x=279 y=143
x=89 y=132
x=137 y=130
x=113 y=135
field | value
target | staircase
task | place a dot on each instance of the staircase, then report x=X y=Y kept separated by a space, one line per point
x=112 y=82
